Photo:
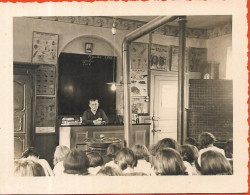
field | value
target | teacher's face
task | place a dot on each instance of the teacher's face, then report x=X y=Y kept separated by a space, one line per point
x=94 y=105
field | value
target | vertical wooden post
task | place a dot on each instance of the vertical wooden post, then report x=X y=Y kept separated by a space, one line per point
x=181 y=78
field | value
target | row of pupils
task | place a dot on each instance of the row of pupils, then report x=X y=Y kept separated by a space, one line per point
x=166 y=157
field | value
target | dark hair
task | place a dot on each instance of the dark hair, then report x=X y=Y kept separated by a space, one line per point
x=109 y=171
x=189 y=153
x=31 y=151
x=214 y=163
x=206 y=139
x=168 y=162
x=113 y=148
x=125 y=158
x=95 y=159
x=27 y=167
x=228 y=148
x=140 y=151
x=164 y=143
x=191 y=141
x=76 y=162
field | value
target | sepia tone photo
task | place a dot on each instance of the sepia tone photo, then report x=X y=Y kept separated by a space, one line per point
x=140 y=96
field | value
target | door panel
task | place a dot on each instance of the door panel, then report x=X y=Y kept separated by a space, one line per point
x=165 y=93
x=22 y=113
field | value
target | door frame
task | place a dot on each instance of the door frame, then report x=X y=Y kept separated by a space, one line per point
x=20 y=68
x=153 y=75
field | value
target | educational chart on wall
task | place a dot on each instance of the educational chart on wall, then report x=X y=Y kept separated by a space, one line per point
x=44 y=48
x=139 y=55
x=139 y=106
x=197 y=58
x=160 y=57
x=45 y=80
x=139 y=82
x=175 y=57
x=45 y=114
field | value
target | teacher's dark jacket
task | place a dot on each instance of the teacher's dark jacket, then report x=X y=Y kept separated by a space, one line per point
x=88 y=116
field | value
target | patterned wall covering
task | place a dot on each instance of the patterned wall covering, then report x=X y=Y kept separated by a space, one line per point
x=122 y=24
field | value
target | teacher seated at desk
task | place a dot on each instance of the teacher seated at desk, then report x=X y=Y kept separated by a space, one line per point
x=94 y=116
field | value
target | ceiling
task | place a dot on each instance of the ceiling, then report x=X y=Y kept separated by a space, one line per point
x=193 y=21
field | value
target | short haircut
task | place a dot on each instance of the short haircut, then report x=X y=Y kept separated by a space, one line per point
x=93 y=100
x=228 y=149
x=189 y=153
x=76 y=162
x=125 y=158
x=113 y=148
x=95 y=159
x=206 y=139
x=168 y=162
x=140 y=151
x=31 y=151
x=60 y=153
x=214 y=163
x=109 y=171
x=191 y=141
x=27 y=167
x=164 y=143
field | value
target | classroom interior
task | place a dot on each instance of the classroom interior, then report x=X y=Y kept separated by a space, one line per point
x=154 y=76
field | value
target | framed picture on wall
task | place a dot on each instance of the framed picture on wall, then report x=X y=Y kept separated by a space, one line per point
x=88 y=47
x=44 y=48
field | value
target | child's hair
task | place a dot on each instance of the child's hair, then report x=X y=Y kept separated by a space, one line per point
x=109 y=171
x=125 y=158
x=135 y=174
x=113 y=148
x=31 y=151
x=60 y=153
x=228 y=148
x=76 y=162
x=214 y=163
x=206 y=139
x=95 y=159
x=189 y=153
x=164 y=143
x=27 y=167
x=168 y=162
x=140 y=151
x=192 y=141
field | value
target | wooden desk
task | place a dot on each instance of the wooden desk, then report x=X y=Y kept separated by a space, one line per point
x=73 y=136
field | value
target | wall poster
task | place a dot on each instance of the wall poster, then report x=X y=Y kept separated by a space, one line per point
x=175 y=57
x=160 y=57
x=139 y=106
x=139 y=55
x=197 y=59
x=139 y=82
x=44 y=48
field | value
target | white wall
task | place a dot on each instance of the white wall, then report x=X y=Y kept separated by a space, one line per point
x=217 y=51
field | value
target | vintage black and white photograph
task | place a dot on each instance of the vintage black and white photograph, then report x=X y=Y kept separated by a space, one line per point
x=142 y=96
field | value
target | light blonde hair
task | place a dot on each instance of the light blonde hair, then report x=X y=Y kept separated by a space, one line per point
x=27 y=167
x=60 y=153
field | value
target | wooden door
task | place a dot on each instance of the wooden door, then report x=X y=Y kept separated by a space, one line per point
x=164 y=94
x=22 y=113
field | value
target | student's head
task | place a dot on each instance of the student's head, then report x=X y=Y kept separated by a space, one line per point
x=164 y=143
x=228 y=149
x=140 y=151
x=168 y=162
x=60 y=153
x=76 y=162
x=191 y=141
x=113 y=148
x=125 y=158
x=189 y=153
x=95 y=159
x=27 y=167
x=109 y=171
x=206 y=139
x=214 y=163
x=31 y=151
x=93 y=104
